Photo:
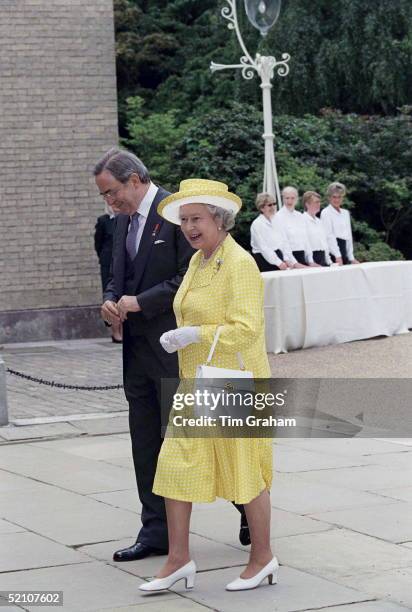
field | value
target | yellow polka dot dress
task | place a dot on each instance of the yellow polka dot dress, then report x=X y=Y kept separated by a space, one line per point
x=228 y=292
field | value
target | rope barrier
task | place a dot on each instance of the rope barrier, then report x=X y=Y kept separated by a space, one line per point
x=57 y=385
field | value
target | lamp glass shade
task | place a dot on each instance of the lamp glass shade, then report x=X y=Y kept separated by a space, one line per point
x=262 y=14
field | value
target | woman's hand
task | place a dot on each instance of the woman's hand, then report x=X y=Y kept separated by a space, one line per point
x=179 y=338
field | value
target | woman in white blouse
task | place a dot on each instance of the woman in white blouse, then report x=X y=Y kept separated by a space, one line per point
x=337 y=224
x=294 y=227
x=269 y=245
x=315 y=230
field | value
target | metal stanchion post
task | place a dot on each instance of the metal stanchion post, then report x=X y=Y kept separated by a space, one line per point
x=4 y=415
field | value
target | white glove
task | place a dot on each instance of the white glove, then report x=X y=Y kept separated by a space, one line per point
x=179 y=338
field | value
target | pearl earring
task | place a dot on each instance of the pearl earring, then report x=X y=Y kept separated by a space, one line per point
x=219 y=228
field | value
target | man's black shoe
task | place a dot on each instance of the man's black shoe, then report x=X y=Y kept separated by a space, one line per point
x=137 y=551
x=244 y=534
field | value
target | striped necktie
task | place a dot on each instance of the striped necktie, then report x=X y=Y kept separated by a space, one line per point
x=132 y=235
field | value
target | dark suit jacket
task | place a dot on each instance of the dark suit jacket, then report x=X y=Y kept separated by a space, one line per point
x=159 y=267
x=103 y=239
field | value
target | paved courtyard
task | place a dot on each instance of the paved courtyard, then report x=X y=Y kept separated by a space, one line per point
x=341 y=522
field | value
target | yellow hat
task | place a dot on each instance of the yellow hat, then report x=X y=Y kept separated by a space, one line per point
x=198 y=191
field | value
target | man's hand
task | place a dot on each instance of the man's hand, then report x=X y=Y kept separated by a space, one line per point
x=179 y=338
x=299 y=265
x=339 y=261
x=110 y=313
x=127 y=303
x=315 y=265
x=355 y=261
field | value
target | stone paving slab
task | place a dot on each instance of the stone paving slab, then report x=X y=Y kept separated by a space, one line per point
x=390 y=522
x=403 y=441
x=100 y=448
x=372 y=478
x=15 y=482
x=68 y=472
x=11 y=433
x=126 y=500
x=208 y=555
x=367 y=606
x=97 y=427
x=85 y=586
x=392 y=584
x=290 y=459
x=402 y=459
x=43 y=552
x=315 y=555
x=295 y=591
x=172 y=604
x=351 y=447
x=67 y=517
x=310 y=497
x=282 y=524
x=7 y=527
x=341 y=553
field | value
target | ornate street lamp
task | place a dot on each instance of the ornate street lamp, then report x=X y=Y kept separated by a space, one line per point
x=263 y=15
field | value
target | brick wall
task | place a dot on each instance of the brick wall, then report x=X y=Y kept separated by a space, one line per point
x=58 y=115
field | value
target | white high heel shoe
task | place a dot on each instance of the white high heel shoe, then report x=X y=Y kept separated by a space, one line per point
x=270 y=571
x=187 y=572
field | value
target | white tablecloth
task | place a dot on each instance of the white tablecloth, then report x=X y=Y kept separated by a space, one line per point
x=321 y=306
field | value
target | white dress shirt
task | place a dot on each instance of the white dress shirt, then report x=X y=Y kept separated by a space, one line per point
x=143 y=211
x=337 y=225
x=266 y=236
x=316 y=235
x=294 y=227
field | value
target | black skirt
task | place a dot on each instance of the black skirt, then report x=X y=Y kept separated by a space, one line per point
x=300 y=257
x=265 y=266
x=319 y=257
x=343 y=251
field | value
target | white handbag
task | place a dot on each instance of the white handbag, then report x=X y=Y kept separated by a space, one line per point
x=219 y=382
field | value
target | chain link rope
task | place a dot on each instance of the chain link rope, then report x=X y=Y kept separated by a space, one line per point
x=57 y=385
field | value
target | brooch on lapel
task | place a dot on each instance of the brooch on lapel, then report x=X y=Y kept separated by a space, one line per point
x=218 y=264
x=155 y=230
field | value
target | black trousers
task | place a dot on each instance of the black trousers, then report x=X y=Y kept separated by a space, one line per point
x=343 y=252
x=265 y=266
x=319 y=257
x=143 y=369
x=300 y=257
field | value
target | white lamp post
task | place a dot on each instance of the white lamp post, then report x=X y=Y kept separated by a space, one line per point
x=263 y=15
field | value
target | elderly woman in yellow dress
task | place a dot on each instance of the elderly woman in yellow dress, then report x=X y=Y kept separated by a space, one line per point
x=222 y=287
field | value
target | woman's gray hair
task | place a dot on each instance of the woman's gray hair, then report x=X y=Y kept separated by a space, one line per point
x=122 y=164
x=227 y=217
x=263 y=198
x=336 y=188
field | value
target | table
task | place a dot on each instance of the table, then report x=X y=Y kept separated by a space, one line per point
x=321 y=306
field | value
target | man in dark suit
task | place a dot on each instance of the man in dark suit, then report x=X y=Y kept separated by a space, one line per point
x=150 y=258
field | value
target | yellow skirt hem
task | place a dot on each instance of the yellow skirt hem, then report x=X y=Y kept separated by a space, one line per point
x=203 y=500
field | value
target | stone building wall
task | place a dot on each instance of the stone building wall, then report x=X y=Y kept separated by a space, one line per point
x=58 y=115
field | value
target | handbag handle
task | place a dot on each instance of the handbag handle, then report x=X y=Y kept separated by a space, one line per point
x=212 y=350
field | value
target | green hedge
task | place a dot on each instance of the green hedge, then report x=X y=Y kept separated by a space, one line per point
x=371 y=155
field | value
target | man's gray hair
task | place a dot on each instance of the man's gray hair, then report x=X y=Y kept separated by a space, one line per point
x=122 y=164
x=227 y=217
